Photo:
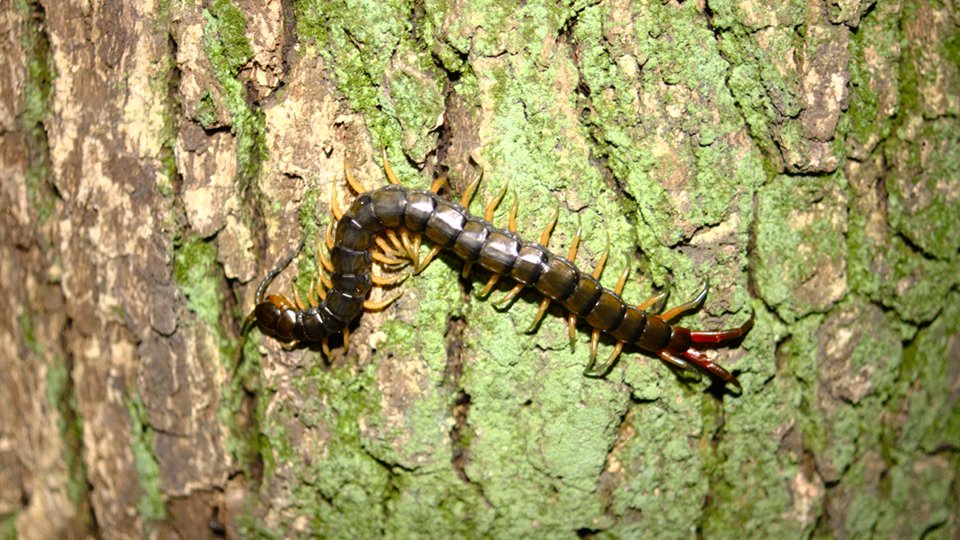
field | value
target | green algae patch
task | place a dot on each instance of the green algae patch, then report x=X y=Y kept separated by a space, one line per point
x=801 y=246
x=195 y=271
x=37 y=95
x=228 y=50
x=924 y=205
x=686 y=166
x=932 y=369
x=381 y=69
x=316 y=437
x=151 y=506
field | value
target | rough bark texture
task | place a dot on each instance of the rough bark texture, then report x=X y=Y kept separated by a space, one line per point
x=157 y=157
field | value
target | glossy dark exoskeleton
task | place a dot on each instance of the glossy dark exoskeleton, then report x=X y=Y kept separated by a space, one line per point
x=475 y=240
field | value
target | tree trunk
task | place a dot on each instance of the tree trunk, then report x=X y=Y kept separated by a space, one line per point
x=158 y=158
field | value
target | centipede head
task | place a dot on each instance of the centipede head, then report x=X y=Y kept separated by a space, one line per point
x=276 y=318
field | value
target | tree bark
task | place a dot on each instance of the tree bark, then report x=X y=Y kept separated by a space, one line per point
x=158 y=158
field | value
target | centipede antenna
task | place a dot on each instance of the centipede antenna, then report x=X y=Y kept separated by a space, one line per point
x=512 y=221
x=687 y=307
x=492 y=206
x=258 y=297
x=357 y=187
x=391 y=176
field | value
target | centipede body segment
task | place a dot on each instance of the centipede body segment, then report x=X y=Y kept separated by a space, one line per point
x=387 y=224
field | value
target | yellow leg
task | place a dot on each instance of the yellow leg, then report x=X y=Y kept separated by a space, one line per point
x=426 y=260
x=572 y=331
x=470 y=191
x=594 y=341
x=466 y=270
x=335 y=205
x=438 y=184
x=346 y=340
x=410 y=248
x=386 y=259
x=511 y=294
x=548 y=230
x=325 y=347
x=679 y=362
x=492 y=207
x=602 y=369
x=324 y=261
x=328 y=236
x=491 y=283
x=394 y=240
x=623 y=279
x=388 y=249
x=654 y=304
x=687 y=307
x=391 y=176
x=598 y=270
x=312 y=295
x=325 y=281
x=572 y=252
x=541 y=311
x=296 y=297
x=354 y=184
x=389 y=281
x=370 y=305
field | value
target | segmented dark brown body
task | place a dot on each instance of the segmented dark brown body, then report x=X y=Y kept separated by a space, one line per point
x=475 y=240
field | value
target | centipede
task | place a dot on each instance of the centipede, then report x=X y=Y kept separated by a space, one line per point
x=387 y=226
